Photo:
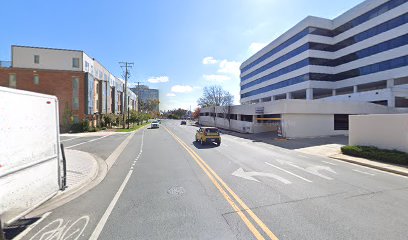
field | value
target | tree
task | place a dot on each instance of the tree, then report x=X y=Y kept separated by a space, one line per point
x=149 y=105
x=215 y=96
x=196 y=113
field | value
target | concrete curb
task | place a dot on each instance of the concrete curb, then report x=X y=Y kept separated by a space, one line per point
x=62 y=197
x=370 y=164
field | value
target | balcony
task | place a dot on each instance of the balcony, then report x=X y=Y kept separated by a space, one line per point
x=5 y=64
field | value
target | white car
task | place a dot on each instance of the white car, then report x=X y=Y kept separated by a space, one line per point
x=154 y=125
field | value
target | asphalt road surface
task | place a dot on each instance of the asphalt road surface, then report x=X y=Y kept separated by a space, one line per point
x=163 y=185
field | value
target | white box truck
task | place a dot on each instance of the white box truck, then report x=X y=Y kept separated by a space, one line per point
x=30 y=154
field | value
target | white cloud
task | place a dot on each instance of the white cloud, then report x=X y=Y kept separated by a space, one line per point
x=181 y=89
x=209 y=60
x=161 y=79
x=216 y=78
x=229 y=67
x=255 y=47
x=170 y=95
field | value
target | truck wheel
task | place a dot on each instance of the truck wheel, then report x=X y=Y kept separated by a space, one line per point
x=218 y=143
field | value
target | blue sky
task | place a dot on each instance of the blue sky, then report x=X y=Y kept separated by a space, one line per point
x=177 y=46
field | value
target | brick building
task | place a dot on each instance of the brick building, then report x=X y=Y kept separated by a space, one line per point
x=85 y=89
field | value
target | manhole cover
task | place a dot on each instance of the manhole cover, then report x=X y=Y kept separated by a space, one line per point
x=176 y=191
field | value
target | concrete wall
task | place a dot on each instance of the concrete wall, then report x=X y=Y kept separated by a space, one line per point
x=309 y=125
x=55 y=59
x=388 y=131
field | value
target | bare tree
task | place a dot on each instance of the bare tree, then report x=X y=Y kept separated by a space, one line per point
x=215 y=96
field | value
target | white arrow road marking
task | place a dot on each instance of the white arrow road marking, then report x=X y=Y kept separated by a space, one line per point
x=371 y=174
x=248 y=175
x=291 y=173
x=315 y=170
x=312 y=170
x=330 y=163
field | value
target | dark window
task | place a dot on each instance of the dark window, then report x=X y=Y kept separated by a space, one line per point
x=233 y=116
x=341 y=122
x=401 y=102
x=345 y=90
x=381 y=102
x=75 y=62
x=246 y=118
x=36 y=59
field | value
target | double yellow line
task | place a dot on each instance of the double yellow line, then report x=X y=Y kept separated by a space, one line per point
x=238 y=205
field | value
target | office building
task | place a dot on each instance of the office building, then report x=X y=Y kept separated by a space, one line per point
x=146 y=94
x=309 y=80
x=362 y=55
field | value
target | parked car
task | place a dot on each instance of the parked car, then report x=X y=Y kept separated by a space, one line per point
x=208 y=135
x=183 y=122
x=154 y=125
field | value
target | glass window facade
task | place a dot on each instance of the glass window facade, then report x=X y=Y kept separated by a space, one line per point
x=368 y=15
x=369 y=69
x=290 y=68
x=386 y=26
x=75 y=93
x=285 y=83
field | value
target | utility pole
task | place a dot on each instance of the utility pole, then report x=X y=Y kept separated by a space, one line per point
x=126 y=66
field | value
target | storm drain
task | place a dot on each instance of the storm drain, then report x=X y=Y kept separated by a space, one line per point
x=176 y=191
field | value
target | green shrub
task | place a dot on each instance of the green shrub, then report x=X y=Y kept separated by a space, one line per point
x=373 y=153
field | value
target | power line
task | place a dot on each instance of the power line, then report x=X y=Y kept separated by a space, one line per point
x=126 y=66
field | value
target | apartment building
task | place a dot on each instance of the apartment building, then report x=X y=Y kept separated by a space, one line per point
x=362 y=55
x=84 y=87
x=309 y=80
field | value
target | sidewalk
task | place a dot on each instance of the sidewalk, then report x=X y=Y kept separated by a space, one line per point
x=81 y=169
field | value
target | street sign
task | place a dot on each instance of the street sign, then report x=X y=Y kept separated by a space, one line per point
x=259 y=110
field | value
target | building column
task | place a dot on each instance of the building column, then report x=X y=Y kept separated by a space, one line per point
x=390 y=83
x=288 y=95
x=391 y=101
x=238 y=117
x=309 y=93
x=333 y=92
x=355 y=89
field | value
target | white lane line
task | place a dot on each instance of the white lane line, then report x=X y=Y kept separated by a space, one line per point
x=355 y=170
x=92 y=140
x=329 y=163
x=97 y=231
x=66 y=140
x=291 y=173
x=99 y=227
x=27 y=230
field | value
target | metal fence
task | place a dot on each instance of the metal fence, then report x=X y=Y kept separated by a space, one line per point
x=5 y=64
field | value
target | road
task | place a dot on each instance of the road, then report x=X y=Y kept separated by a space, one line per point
x=163 y=185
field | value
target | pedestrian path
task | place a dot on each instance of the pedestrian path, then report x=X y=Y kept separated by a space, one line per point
x=81 y=168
